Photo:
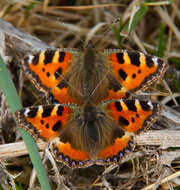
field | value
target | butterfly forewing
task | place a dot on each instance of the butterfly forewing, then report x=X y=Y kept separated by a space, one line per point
x=133 y=70
x=48 y=70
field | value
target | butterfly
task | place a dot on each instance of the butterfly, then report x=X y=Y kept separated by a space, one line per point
x=92 y=118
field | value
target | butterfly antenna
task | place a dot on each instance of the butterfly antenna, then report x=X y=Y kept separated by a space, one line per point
x=91 y=33
x=100 y=83
x=96 y=28
x=71 y=29
x=90 y=43
x=78 y=92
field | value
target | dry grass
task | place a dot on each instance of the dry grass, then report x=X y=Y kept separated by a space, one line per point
x=72 y=26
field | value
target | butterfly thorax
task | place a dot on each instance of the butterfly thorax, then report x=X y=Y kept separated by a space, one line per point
x=89 y=72
x=89 y=79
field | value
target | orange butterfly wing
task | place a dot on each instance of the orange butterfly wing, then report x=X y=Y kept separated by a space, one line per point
x=125 y=119
x=48 y=69
x=132 y=117
x=45 y=122
x=48 y=122
x=133 y=70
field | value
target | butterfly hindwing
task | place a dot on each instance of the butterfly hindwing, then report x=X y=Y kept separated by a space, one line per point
x=113 y=128
x=131 y=116
x=134 y=115
x=69 y=148
x=83 y=142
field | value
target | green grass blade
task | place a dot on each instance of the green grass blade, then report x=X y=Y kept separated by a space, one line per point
x=1 y=187
x=175 y=61
x=29 y=8
x=176 y=83
x=117 y=31
x=13 y=101
x=177 y=188
x=137 y=18
x=8 y=88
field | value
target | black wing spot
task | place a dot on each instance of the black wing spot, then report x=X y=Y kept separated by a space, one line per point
x=56 y=126
x=134 y=57
x=35 y=60
x=33 y=112
x=42 y=122
x=47 y=111
x=47 y=125
x=123 y=121
x=60 y=110
x=132 y=119
x=48 y=74
x=118 y=106
x=58 y=72
x=49 y=54
x=145 y=106
x=122 y=74
x=120 y=58
x=131 y=105
x=61 y=56
x=43 y=69
x=149 y=61
x=133 y=75
x=52 y=99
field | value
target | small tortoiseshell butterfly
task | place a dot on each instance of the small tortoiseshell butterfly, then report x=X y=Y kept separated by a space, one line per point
x=91 y=120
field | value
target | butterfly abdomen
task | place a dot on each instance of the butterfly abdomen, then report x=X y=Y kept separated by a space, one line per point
x=90 y=131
